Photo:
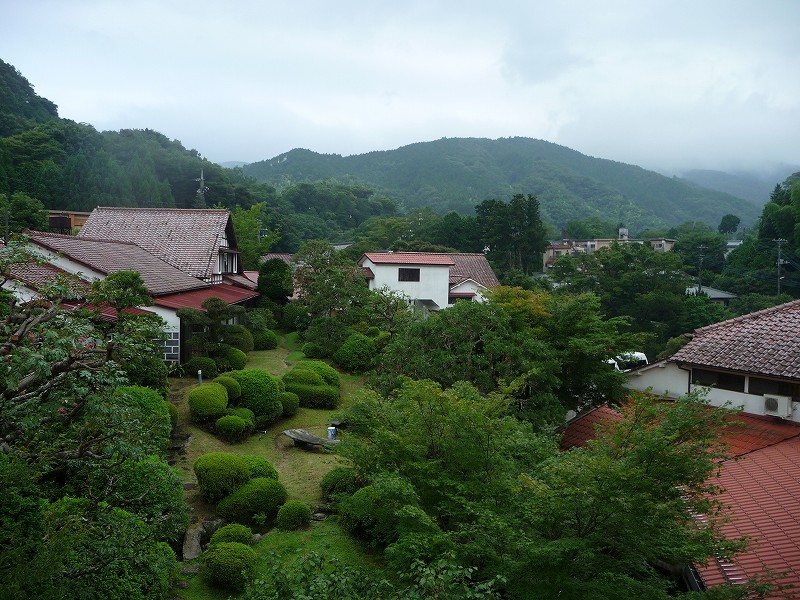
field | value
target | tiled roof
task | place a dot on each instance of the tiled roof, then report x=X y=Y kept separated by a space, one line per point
x=34 y=276
x=765 y=342
x=584 y=428
x=285 y=257
x=241 y=280
x=472 y=266
x=187 y=238
x=194 y=299
x=408 y=258
x=104 y=256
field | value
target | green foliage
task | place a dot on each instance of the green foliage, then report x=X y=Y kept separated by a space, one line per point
x=231 y=386
x=265 y=340
x=261 y=495
x=357 y=354
x=244 y=413
x=293 y=515
x=207 y=402
x=259 y=319
x=513 y=232
x=23 y=212
x=329 y=375
x=315 y=396
x=299 y=374
x=153 y=413
x=249 y=224
x=213 y=328
x=290 y=403
x=258 y=466
x=200 y=363
x=239 y=337
x=147 y=370
x=729 y=224
x=259 y=393
x=275 y=281
x=232 y=429
x=173 y=415
x=233 y=356
x=313 y=350
x=229 y=564
x=233 y=532
x=219 y=474
x=294 y=317
x=339 y=482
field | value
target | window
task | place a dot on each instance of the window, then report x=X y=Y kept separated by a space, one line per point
x=721 y=381
x=760 y=386
x=407 y=274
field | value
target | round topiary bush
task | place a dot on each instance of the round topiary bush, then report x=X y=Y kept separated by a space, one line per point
x=246 y=414
x=290 y=402
x=200 y=363
x=239 y=337
x=259 y=394
x=259 y=496
x=207 y=402
x=315 y=396
x=230 y=564
x=233 y=532
x=265 y=340
x=339 y=482
x=293 y=515
x=313 y=350
x=231 y=428
x=235 y=357
x=258 y=466
x=303 y=376
x=220 y=474
x=357 y=353
x=329 y=375
x=231 y=385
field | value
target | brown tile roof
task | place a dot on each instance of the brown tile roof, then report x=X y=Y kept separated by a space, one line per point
x=35 y=276
x=408 y=258
x=580 y=430
x=765 y=342
x=472 y=266
x=187 y=238
x=194 y=298
x=285 y=257
x=104 y=256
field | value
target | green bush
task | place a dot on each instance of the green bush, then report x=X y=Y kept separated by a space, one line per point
x=232 y=429
x=290 y=402
x=259 y=319
x=246 y=414
x=149 y=408
x=173 y=415
x=315 y=396
x=231 y=385
x=303 y=376
x=239 y=337
x=294 y=317
x=223 y=364
x=233 y=532
x=259 y=394
x=328 y=373
x=293 y=515
x=230 y=564
x=258 y=466
x=259 y=496
x=201 y=363
x=313 y=350
x=147 y=370
x=265 y=340
x=235 y=357
x=207 y=402
x=220 y=474
x=339 y=482
x=357 y=353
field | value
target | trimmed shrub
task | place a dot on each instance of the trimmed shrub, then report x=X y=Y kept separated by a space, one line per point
x=357 y=353
x=246 y=414
x=290 y=402
x=258 y=466
x=173 y=414
x=207 y=402
x=231 y=428
x=200 y=363
x=315 y=396
x=148 y=371
x=293 y=515
x=223 y=364
x=239 y=337
x=235 y=357
x=220 y=474
x=259 y=394
x=231 y=385
x=303 y=376
x=259 y=496
x=230 y=564
x=313 y=350
x=265 y=340
x=328 y=373
x=339 y=482
x=233 y=532
x=259 y=319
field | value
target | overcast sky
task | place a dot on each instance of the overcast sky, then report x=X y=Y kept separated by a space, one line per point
x=667 y=85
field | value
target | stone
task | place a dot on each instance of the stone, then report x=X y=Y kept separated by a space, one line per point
x=191 y=542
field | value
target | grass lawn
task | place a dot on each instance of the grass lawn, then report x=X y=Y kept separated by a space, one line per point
x=300 y=471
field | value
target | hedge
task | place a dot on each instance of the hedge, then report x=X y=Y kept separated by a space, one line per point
x=200 y=363
x=259 y=394
x=230 y=564
x=315 y=396
x=220 y=474
x=207 y=402
x=259 y=496
x=230 y=384
x=233 y=532
x=293 y=515
x=290 y=402
x=303 y=376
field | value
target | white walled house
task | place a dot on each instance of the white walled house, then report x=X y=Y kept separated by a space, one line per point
x=432 y=281
x=752 y=362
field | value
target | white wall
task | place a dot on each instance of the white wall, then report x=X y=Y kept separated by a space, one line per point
x=470 y=287
x=433 y=284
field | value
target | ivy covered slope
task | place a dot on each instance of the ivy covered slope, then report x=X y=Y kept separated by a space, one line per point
x=456 y=174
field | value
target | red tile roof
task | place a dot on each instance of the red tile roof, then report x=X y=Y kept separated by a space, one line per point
x=584 y=427
x=472 y=266
x=765 y=342
x=408 y=258
x=194 y=299
x=105 y=256
x=187 y=238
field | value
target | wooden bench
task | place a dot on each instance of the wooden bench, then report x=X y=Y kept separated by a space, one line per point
x=302 y=438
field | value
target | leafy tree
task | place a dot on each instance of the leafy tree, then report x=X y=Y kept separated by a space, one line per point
x=249 y=227
x=729 y=224
x=275 y=281
x=213 y=320
x=22 y=212
x=702 y=252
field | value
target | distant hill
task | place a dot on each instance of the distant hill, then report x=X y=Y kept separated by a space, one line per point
x=455 y=174
x=754 y=187
x=20 y=107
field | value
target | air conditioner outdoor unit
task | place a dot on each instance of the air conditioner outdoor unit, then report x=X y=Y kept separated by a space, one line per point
x=778 y=406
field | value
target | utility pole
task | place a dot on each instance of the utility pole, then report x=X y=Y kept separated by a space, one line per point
x=779 y=241
x=201 y=191
x=702 y=248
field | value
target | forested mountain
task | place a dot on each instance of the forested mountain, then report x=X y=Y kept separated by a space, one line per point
x=755 y=187
x=20 y=107
x=455 y=174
